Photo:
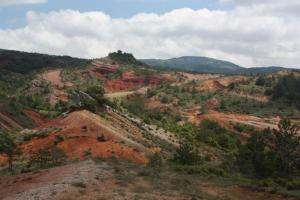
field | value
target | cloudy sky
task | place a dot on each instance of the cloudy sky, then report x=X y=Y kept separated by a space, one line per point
x=251 y=33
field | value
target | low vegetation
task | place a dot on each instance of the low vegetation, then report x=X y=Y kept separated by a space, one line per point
x=9 y=147
x=123 y=58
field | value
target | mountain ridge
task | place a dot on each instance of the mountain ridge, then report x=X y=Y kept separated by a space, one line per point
x=209 y=65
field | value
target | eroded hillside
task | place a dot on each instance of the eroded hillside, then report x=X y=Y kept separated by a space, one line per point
x=115 y=128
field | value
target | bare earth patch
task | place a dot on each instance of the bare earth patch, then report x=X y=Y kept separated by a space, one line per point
x=47 y=184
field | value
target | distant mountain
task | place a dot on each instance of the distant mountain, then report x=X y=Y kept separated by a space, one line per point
x=197 y=64
x=262 y=70
x=208 y=65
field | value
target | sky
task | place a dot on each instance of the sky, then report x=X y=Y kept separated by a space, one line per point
x=251 y=33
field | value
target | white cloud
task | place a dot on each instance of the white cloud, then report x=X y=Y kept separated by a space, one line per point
x=245 y=36
x=19 y=2
x=281 y=8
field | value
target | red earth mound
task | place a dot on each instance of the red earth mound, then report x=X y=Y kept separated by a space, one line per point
x=218 y=83
x=129 y=81
x=3 y=160
x=211 y=85
x=102 y=68
x=86 y=132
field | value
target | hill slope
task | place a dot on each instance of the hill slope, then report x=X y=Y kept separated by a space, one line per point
x=23 y=62
x=208 y=65
x=198 y=64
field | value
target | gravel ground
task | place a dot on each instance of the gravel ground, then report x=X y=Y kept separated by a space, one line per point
x=47 y=184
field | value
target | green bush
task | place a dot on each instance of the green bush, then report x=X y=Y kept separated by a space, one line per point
x=288 y=89
x=272 y=153
x=187 y=154
x=59 y=139
x=212 y=133
x=123 y=58
x=156 y=161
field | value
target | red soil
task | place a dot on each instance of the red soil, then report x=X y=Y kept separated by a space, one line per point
x=129 y=81
x=227 y=120
x=3 y=160
x=78 y=147
x=219 y=83
x=211 y=85
x=102 y=68
x=212 y=103
x=58 y=95
x=81 y=130
x=227 y=80
x=54 y=77
x=38 y=119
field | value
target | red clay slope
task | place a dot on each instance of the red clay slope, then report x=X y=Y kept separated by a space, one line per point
x=129 y=81
x=82 y=130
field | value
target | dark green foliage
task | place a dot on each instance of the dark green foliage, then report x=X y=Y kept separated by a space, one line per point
x=272 y=153
x=187 y=154
x=101 y=138
x=255 y=158
x=287 y=148
x=261 y=81
x=59 y=139
x=294 y=184
x=288 y=89
x=9 y=147
x=243 y=128
x=89 y=104
x=165 y=99
x=62 y=106
x=48 y=157
x=156 y=161
x=212 y=133
x=97 y=92
x=150 y=93
x=123 y=58
x=21 y=62
x=10 y=81
x=79 y=184
x=237 y=104
x=135 y=105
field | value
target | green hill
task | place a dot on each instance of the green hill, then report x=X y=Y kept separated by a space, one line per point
x=208 y=65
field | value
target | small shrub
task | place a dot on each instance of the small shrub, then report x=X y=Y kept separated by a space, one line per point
x=87 y=152
x=186 y=154
x=59 y=139
x=293 y=185
x=79 y=184
x=101 y=138
x=156 y=161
